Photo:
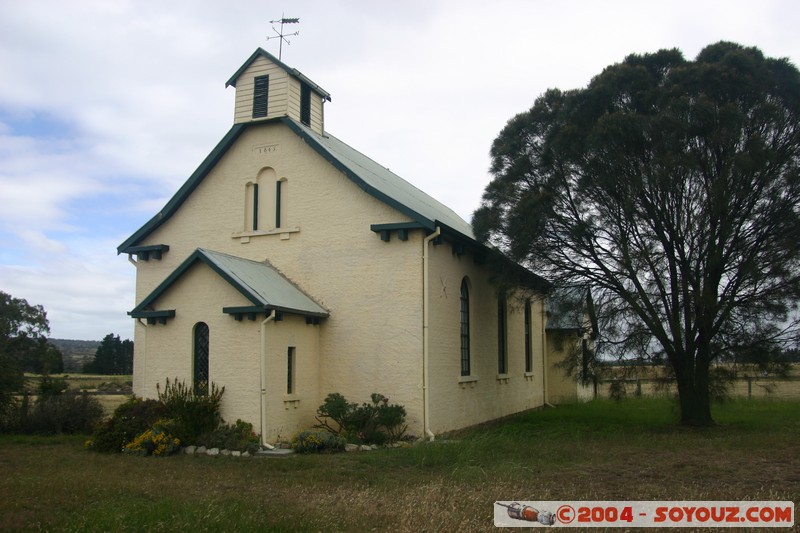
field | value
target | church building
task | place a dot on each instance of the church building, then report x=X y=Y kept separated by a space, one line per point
x=290 y=266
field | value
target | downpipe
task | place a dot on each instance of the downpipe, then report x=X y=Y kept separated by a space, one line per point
x=425 y=333
x=266 y=321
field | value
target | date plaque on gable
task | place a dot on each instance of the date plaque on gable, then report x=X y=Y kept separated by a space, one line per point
x=264 y=149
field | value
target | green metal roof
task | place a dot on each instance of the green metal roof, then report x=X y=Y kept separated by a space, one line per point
x=382 y=183
x=266 y=288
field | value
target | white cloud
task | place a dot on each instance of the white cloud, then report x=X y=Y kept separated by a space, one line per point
x=107 y=107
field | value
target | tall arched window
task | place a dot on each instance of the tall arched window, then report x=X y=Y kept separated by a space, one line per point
x=502 y=349
x=200 y=358
x=251 y=207
x=465 y=356
x=528 y=340
x=258 y=201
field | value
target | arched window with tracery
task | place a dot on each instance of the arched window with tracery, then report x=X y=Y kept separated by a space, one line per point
x=200 y=348
x=465 y=340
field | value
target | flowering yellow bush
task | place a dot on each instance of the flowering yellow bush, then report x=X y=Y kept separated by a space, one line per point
x=317 y=441
x=154 y=441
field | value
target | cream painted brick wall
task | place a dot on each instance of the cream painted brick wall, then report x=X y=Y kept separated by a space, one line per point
x=372 y=342
x=456 y=403
x=288 y=414
x=560 y=387
x=234 y=346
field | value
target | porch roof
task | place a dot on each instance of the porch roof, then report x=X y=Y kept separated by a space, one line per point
x=265 y=287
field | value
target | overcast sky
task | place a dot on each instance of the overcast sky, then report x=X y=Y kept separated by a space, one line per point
x=106 y=107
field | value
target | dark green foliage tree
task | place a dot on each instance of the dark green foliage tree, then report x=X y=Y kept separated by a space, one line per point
x=113 y=357
x=23 y=338
x=672 y=188
x=43 y=358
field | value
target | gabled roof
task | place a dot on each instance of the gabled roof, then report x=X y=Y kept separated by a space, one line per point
x=292 y=72
x=382 y=183
x=372 y=177
x=186 y=189
x=265 y=288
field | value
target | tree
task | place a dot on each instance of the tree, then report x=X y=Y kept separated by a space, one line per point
x=672 y=187
x=23 y=332
x=113 y=356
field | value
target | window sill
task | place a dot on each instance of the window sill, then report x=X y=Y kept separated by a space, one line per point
x=291 y=402
x=245 y=236
x=503 y=378
x=467 y=381
x=528 y=376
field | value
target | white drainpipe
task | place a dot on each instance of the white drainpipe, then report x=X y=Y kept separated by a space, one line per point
x=425 y=333
x=270 y=318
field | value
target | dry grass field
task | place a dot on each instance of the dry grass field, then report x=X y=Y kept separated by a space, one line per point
x=602 y=450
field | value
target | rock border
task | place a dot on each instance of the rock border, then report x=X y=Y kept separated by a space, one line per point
x=282 y=451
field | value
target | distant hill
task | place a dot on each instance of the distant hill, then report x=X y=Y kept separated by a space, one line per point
x=75 y=352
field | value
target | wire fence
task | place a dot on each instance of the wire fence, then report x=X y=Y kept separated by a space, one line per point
x=784 y=388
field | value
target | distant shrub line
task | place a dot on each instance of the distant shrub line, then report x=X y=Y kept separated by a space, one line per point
x=55 y=409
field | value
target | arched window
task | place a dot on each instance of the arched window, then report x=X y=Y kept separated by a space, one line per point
x=465 y=355
x=200 y=358
x=258 y=201
x=281 y=193
x=502 y=348
x=528 y=340
x=251 y=207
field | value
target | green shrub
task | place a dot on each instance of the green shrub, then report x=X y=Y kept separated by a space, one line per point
x=195 y=412
x=68 y=412
x=239 y=437
x=130 y=419
x=142 y=423
x=392 y=418
x=616 y=391
x=318 y=441
x=372 y=423
x=337 y=409
x=50 y=386
x=56 y=410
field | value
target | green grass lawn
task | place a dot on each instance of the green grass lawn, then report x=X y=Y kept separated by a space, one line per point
x=598 y=451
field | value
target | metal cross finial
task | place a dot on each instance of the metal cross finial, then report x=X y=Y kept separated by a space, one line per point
x=280 y=35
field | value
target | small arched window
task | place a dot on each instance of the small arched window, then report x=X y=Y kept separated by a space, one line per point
x=465 y=351
x=200 y=347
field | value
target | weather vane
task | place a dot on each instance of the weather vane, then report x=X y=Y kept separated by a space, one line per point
x=280 y=35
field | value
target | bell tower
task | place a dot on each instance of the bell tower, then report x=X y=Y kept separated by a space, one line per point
x=267 y=88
